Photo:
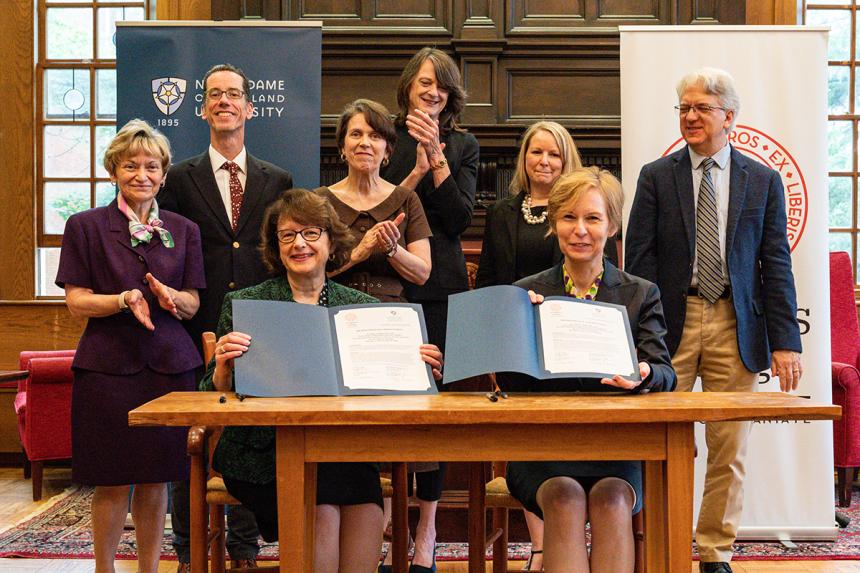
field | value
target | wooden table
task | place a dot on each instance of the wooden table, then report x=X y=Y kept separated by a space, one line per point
x=656 y=428
x=12 y=376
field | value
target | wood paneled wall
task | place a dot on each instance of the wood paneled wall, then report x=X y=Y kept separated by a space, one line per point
x=17 y=144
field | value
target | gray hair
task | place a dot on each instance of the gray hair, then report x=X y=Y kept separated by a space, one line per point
x=715 y=82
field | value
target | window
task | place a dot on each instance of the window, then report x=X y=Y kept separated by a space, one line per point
x=843 y=96
x=75 y=114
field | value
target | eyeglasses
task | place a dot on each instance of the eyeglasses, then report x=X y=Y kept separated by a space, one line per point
x=701 y=108
x=232 y=93
x=309 y=234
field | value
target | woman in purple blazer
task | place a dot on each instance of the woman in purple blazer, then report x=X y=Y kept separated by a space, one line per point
x=134 y=273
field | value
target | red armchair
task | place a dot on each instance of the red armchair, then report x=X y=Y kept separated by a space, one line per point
x=43 y=406
x=845 y=361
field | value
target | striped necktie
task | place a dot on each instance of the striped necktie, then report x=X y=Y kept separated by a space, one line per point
x=708 y=238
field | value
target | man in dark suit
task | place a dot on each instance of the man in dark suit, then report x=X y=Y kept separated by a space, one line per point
x=708 y=226
x=225 y=190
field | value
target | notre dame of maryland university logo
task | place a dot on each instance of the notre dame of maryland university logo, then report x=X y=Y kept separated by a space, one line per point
x=761 y=147
x=168 y=94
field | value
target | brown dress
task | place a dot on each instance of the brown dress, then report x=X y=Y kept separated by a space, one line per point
x=376 y=276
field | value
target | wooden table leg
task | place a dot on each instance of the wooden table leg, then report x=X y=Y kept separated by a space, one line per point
x=297 y=493
x=399 y=519
x=477 y=517
x=655 y=516
x=199 y=509
x=679 y=498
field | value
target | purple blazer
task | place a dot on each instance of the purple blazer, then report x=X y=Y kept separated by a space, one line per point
x=97 y=254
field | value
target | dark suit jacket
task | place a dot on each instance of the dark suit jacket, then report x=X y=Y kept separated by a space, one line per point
x=499 y=249
x=97 y=254
x=642 y=300
x=448 y=209
x=661 y=243
x=231 y=260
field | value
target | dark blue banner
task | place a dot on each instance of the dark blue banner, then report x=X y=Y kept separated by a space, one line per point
x=160 y=68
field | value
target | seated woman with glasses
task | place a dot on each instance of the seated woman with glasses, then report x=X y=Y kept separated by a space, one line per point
x=301 y=239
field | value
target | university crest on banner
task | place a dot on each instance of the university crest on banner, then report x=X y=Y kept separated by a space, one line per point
x=168 y=94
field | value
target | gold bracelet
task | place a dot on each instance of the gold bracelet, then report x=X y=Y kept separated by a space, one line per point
x=439 y=165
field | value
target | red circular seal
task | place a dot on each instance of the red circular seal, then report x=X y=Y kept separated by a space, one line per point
x=766 y=150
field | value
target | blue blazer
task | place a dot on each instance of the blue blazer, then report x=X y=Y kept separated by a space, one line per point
x=661 y=244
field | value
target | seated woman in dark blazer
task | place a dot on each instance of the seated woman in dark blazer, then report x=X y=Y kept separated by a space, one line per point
x=584 y=209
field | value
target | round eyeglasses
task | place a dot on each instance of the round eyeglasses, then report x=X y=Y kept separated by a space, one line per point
x=309 y=234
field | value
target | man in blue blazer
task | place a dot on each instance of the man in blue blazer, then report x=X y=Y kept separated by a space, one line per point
x=708 y=226
x=226 y=191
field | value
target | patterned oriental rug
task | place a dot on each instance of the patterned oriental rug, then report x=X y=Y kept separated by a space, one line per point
x=63 y=530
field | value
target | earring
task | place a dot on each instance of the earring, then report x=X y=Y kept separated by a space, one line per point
x=331 y=257
x=385 y=161
x=343 y=156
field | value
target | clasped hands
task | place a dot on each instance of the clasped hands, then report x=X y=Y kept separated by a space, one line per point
x=425 y=130
x=618 y=381
x=381 y=238
x=140 y=308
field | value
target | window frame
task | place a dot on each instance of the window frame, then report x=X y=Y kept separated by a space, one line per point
x=853 y=116
x=43 y=64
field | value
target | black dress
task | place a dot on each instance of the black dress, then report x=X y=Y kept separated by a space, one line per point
x=642 y=300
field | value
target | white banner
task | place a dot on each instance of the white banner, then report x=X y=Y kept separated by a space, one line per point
x=781 y=76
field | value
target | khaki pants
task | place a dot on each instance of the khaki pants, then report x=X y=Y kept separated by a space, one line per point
x=709 y=348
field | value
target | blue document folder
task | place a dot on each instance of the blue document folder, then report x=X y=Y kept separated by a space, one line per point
x=295 y=350
x=498 y=329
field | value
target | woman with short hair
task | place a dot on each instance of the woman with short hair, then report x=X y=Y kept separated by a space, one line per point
x=133 y=271
x=584 y=209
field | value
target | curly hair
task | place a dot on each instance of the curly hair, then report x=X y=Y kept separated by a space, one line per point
x=307 y=208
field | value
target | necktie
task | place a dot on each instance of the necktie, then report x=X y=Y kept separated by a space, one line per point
x=236 y=191
x=708 y=238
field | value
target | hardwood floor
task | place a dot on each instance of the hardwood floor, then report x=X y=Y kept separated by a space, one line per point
x=16 y=504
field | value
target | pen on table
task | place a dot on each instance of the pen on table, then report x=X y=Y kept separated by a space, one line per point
x=496 y=393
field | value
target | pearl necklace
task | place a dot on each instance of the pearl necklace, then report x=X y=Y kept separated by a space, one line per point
x=527 y=212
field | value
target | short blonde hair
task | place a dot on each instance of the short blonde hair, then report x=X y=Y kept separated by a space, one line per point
x=569 y=154
x=134 y=137
x=570 y=188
